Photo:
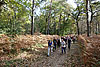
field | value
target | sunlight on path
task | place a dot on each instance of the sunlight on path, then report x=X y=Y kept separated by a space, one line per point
x=60 y=60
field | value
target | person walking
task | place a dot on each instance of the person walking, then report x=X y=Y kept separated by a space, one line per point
x=63 y=46
x=74 y=39
x=49 y=47
x=65 y=39
x=69 y=42
x=55 y=43
x=58 y=42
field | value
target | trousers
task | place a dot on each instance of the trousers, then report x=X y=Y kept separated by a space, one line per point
x=49 y=50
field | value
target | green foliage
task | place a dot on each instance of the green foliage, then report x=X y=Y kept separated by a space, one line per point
x=15 y=16
x=41 y=22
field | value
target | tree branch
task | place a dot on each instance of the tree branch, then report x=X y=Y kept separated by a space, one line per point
x=95 y=12
x=96 y=15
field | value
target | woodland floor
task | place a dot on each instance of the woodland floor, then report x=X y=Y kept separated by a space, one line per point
x=36 y=55
x=56 y=59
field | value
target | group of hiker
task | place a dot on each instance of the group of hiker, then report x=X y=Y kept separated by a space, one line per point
x=62 y=42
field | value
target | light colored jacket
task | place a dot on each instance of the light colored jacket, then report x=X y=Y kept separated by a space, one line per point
x=63 y=44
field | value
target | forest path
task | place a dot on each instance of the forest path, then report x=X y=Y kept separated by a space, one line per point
x=57 y=59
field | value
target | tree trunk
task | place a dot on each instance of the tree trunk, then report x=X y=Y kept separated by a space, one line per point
x=49 y=19
x=13 y=26
x=77 y=27
x=96 y=27
x=87 y=18
x=15 y=22
x=77 y=24
x=99 y=27
x=46 y=19
x=32 y=20
x=59 y=25
x=81 y=29
x=91 y=20
x=63 y=28
x=46 y=25
x=54 y=26
x=10 y=27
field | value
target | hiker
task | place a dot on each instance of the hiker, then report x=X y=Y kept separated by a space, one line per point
x=63 y=46
x=73 y=39
x=65 y=39
x=58 y=42
x=69 y=42
x=49 y=47
x=55 y=43
x=62 y=37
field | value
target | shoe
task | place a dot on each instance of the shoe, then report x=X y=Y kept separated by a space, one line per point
x=47 y=55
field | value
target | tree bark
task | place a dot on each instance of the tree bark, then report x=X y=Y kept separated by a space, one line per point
x=88 y=34
x=96 y=27
x=77 y=17
x=91 y=20
x=77 y=27
x=81 y=29
x=32 y=20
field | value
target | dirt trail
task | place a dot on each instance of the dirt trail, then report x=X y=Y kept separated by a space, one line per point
x=70 y=59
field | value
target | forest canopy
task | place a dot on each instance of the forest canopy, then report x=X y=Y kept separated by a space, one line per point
x=49 y=17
